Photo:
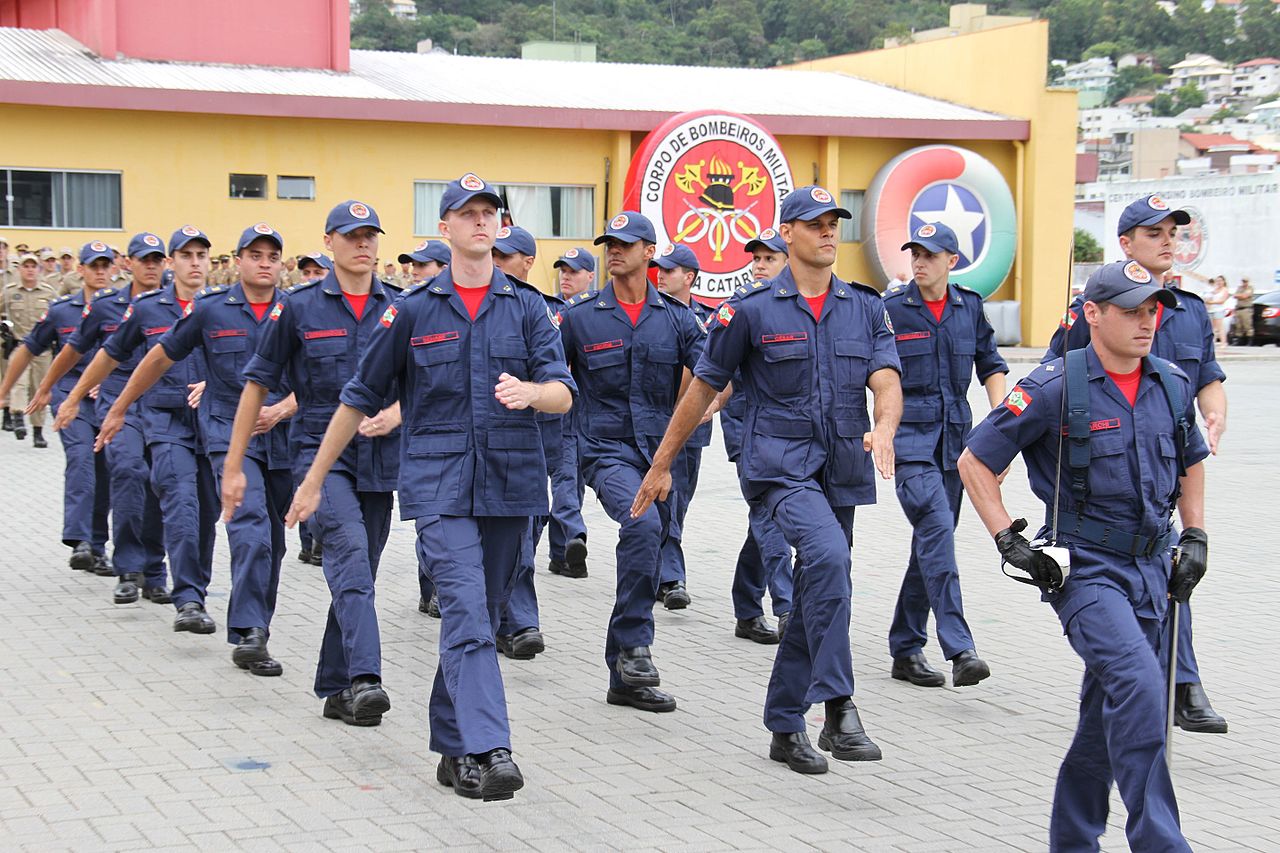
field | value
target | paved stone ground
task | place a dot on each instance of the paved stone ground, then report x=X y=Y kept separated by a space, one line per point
x=116 y=733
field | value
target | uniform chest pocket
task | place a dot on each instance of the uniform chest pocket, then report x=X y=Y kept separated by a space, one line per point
x=1166 y=465
x=853 y=361
x=1188 y=358
x=916 y=356
x=607 y=370
x=661 y=371
x=228 y=353
x=439 y=369
x=510 y=355
x=1109 y=474
x=327 y=362
x=962 y=352
x=787 y=368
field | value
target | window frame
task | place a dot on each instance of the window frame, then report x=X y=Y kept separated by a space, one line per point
x=501 y=187
x=6 y=186
x=266 y=186
x=311 y=178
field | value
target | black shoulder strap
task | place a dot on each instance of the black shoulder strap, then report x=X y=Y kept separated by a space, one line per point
x=1178 y=409
x=1077 y=380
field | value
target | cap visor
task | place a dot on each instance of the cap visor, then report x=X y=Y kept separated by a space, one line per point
x=347 y=229
x=620 y=236
x=153 y=250
x=406 y=259
x=927 y=245
x=1179 y=217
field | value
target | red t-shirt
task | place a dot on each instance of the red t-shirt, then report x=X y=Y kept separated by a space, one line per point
x=1159 y=313
x=185 y=305
x=633 y=310
x=356 y=301
x=260 y=309
x=816 y=303
x=937 y=306
x=1128 y=383
x=472 y=297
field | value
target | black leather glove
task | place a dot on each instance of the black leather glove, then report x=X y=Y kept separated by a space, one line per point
x=1192 y=562
x=1017 y=552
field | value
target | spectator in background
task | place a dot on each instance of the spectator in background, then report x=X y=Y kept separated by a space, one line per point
x=1242 y=315
x=1216 y=301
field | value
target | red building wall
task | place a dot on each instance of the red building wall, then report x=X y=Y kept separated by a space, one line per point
x=290 y=33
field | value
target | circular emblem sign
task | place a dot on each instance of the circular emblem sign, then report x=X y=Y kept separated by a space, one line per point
x=926 y=231
x=504 y=232
x=1136 y=272
x=1190 y=241
x=712 y=181
x=358 y=210
x=471 y=181
x=572 y=253
x=151 y=239
x=263 y=228
x=619 y=222
x=954 y=186
x=190 y=231
x=1157 y=203
x=97 y=246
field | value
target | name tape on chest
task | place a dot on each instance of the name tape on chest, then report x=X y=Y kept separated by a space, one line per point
x=437 y=338
x=784 y=338
x=602 y=346
x=319 y=334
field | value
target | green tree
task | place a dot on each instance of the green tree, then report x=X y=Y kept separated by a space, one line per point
x=1131 y=79
x=1188 y=97
x=1163 y=104
x=1071 y=25
x=1086 y=249
x=1112 y=49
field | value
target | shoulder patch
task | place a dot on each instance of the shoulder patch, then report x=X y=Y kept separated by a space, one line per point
x=672 y=300
x=62 y=299
x=1043 y=374
x=303 y=285
x=755 y=288
x=106 y=291
x=893 y=292
x=582 y=298
x=968 y=290
x=149 y=294
x=212 y=290
x=866 y=288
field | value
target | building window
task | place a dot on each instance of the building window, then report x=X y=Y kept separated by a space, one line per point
x=39 y=198
x=851 y=229
x=548 y=211
x=296 y=187
x=248 y=186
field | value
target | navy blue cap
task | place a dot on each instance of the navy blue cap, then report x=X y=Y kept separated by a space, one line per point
x=319 y=259
x=628 y=226
x=1126 y=284
x=145 y=243
x=261 y=229
x=805 y=203
x=676 y=256
x=350 y=215
x=934 y=237
x=514 y=240
x=469 y=186
x=90 y=252
x=768 y=239
x=185 y=235
x=576 y=259
x=427 y=251
x=1149 y=210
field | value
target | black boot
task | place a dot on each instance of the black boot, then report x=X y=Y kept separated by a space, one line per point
x=8 y=420
x=37 y=437
x=19 y=427
x=842 y=734
x=1193 y=713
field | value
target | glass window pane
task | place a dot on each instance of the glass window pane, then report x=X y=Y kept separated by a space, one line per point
x=295 y=187
x=530 y=208
x=851 y=229
x=248 y=186
x=32 y=199
x=426 y=207
x=575 y=212
x=92 y=201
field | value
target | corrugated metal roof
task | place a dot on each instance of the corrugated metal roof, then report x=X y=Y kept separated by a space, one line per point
x=38 y=56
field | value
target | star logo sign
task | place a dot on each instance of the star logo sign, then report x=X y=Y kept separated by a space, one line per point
x=959 y=209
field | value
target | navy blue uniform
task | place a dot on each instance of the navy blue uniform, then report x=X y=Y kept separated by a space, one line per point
x=137 y=529
x=472 y=473
x=1113 y=604
x=86 y=489
x=938 y=359
x=1185 y=337
x=181 y=476
x=315 y=339
x=684 y=476
x=224 y=326
x=802 y=461
x=764 y=560
x=521 y=612
x=629 y=377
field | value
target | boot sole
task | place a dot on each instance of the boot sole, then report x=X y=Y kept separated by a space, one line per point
x=932 y=682
x=575 y=556
x=443 y=777
x=374 y=706
x=1201 y=728
x=762 y=639
x=807 y=769
x=351 y=720
x=206 y=628
x=968 y=679
x=679 y=603
x=124 y=599
x=80 y=562
x=869 y=752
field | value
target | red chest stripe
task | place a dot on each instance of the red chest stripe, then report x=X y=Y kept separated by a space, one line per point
x=155 y=330
x=66 y=330
x=1100 y=426
x=229 y=333
x=110 y=327
x=427 y=340
x=784 y=337
x=601 y=346
x=324 y=333
x=913 y=336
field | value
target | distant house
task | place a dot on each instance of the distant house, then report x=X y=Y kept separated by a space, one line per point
x=1217 y=148
x=1257 y=78
x=1138 y=105
x=1092 y=74
x=1211 y=76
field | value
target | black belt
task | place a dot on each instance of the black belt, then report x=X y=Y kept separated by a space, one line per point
x=1103 y=535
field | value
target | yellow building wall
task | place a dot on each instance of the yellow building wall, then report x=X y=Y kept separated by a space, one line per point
x=1003 y=71
x=175 y=170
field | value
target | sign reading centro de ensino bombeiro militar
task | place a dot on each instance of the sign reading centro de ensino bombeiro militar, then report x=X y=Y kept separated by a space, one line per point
x=711 y=180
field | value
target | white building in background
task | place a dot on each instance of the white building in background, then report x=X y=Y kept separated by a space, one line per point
x=1257 y=78
x=1212 y=76
x=1092 y=74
